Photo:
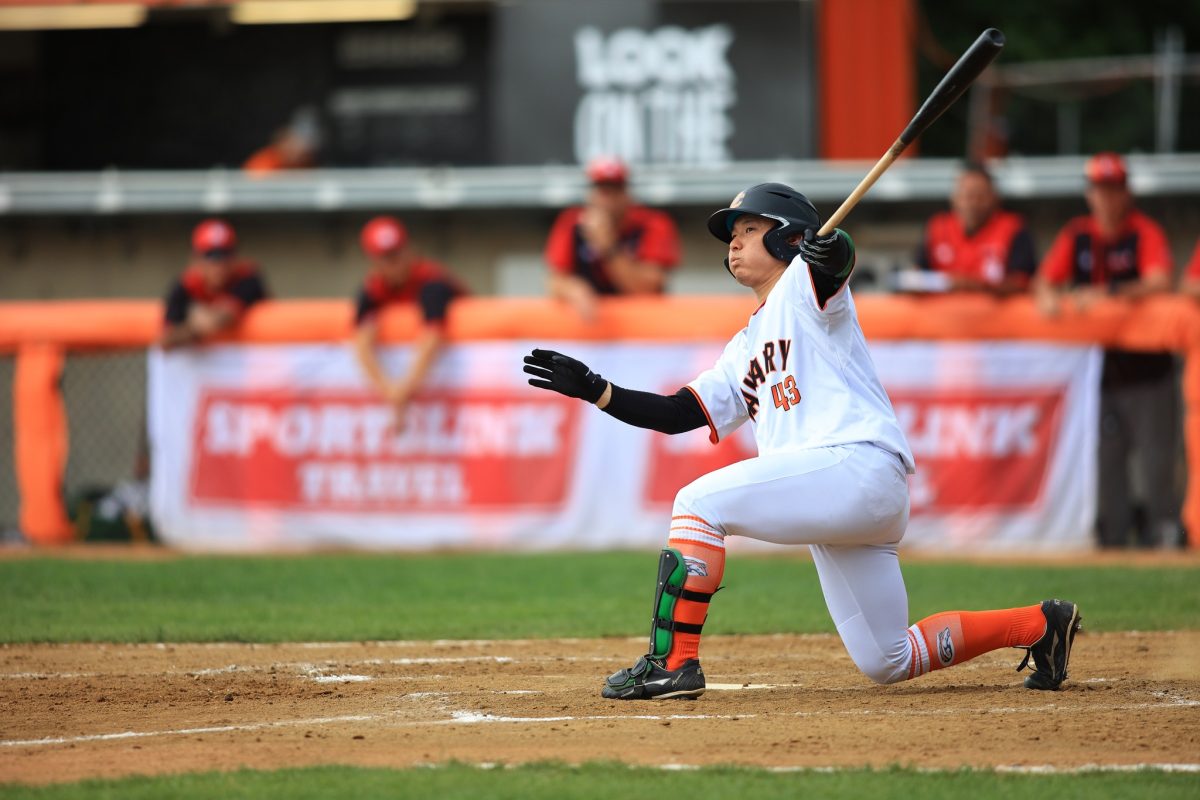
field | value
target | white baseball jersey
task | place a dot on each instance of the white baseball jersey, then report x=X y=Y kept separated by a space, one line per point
x=801 y=372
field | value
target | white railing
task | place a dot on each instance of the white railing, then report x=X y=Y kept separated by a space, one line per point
x=323 y=190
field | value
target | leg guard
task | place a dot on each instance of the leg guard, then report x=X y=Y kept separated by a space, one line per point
x=672 y=573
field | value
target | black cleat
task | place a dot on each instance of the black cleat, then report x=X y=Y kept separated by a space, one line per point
x=1052 y=652
x=648 y=679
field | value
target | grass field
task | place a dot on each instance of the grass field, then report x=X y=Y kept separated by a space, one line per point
x=358 y=597
x=390 y=597
x=555 y=781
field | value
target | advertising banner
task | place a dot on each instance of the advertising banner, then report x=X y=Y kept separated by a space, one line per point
x=281 y=446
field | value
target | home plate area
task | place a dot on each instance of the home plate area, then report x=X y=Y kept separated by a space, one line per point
x=81 y=711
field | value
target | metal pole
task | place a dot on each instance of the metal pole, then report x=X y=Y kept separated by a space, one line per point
x=1168 y=64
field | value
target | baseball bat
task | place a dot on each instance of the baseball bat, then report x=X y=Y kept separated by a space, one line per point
x=961 y=75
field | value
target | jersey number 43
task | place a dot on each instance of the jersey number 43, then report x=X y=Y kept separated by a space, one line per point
x=785 y=393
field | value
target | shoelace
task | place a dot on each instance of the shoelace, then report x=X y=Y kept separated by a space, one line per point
x=1025 y=661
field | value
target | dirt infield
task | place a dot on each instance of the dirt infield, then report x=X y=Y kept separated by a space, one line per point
x=79 y=711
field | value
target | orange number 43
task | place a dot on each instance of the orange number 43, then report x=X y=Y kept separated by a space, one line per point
x=785 y=393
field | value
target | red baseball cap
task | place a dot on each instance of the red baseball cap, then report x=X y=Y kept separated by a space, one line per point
x=383 y=235
x=1106 y=168
x=213 y=236
x=607 y=170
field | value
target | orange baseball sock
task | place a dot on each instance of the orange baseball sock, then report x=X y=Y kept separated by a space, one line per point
x=705 y=566
x=952 y=637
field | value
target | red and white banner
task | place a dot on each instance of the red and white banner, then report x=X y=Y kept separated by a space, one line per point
x=285 y=446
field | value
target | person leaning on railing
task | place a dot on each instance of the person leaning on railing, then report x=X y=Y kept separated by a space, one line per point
x=609 y=245
x=1118 y=252
x=400 y=275
x=214 y=291
x=976 y=246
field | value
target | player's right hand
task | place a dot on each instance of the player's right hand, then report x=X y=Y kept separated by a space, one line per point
x=830 y=254
x=563 y=374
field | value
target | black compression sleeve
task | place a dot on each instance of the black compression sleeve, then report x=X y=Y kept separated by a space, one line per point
x=676 y=413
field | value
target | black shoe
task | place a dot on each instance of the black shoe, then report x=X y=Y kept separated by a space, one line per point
x=648 y=679
x=1052 y=652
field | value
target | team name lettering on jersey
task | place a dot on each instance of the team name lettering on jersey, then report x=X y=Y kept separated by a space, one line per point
x=760 y=368
x=798 y=346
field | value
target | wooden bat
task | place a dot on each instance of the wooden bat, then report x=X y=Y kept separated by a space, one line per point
x=961 y=75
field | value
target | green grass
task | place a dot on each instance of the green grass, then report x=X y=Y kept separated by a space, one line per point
x=553 y=782
x=372 y=596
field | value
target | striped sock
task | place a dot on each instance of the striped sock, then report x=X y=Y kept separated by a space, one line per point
x=703 y=550
x=952 y=637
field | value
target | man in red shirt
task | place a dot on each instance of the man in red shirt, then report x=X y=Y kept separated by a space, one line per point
x=609 y=246
x=214 y=290
x=399 y=275
x=977 y=245
x=1117 y=251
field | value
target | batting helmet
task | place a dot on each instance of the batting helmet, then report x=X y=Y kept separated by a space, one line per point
x=785 y=205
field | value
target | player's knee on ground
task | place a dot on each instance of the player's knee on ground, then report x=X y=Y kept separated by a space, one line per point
x=872 y=660
x=881 y=670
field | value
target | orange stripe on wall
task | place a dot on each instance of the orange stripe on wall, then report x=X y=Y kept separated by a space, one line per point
x=867 y=75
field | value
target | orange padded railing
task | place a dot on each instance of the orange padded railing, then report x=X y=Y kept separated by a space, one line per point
x=40 y=333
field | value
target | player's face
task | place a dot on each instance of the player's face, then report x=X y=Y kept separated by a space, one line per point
x=216 y=268
x=973 y=199
x=749 y=261
x=394 y=266
x=612 y=198
x=1108 y=203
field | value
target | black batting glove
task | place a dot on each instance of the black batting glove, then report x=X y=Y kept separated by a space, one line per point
x=832 y=254
x=563 y=374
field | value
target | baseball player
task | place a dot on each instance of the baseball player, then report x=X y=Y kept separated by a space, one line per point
x=398 y=276
x=831 y=470
x=213 y=292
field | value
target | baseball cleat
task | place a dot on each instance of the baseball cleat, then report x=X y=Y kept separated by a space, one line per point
x=649 y=679
x=1052 y=652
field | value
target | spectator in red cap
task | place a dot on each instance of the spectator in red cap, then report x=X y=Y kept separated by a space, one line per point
x=1117 y=251
x=215 y=289
x=978 y=246
x=399 y=275
x=609 y=245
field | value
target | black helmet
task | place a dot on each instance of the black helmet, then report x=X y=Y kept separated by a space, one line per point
x=774 y=201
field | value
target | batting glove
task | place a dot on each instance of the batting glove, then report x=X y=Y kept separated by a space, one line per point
x=563 y=374
x=830 y=254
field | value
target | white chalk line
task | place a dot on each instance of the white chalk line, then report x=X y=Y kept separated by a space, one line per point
x=252 y=726
x=1019 y=769
x=468 y=717
x=304 y=666
x=476 y=717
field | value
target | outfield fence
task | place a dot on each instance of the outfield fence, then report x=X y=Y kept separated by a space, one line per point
x=73 y=372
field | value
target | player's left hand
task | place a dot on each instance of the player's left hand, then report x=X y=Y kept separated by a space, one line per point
x=829 y=254
x=563 y=374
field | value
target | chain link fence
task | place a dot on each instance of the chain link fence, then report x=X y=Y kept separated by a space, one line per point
x=105 y=396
